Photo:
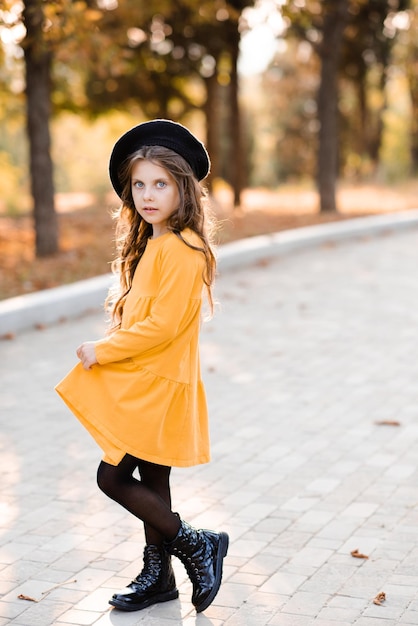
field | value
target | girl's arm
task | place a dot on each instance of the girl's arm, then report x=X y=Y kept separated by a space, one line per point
x=181 y=280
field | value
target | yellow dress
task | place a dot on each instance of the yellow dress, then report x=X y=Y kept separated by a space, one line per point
x=145 y=397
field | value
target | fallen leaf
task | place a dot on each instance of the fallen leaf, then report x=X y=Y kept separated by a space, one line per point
x=21 y=596
x=358 y=555
x=380 y=598
x=262 y=263
x=8 y=336
x=388 y=423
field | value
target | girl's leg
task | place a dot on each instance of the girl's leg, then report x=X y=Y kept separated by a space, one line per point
x=156 y=478
x=201 y=551
x=147 y=500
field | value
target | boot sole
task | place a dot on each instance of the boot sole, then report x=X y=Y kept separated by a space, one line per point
x=158 y=598
x=222 y=552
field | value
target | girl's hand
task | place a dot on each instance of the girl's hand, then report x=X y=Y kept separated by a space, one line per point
x=87 y=354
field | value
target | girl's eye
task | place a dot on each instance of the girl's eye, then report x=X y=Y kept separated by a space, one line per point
x=161 y=184
x=138 y=184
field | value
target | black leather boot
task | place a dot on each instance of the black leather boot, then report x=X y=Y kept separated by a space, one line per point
x=202 y=553
x=156 y=583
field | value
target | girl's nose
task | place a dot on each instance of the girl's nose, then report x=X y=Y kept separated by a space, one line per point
x=148 y=193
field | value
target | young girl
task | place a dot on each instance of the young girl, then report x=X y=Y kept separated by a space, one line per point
x=139 y=390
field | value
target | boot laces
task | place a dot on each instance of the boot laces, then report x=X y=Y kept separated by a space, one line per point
x=189 y=564
x=149 y=573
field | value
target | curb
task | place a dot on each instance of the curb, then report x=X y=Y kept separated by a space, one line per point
x=42 y=308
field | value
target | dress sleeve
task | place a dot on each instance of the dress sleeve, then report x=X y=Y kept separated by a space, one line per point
x=179 y=274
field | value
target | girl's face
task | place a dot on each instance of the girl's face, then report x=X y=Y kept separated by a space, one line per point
x=155 y=194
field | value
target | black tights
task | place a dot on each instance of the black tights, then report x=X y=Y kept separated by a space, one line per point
x=149 y=499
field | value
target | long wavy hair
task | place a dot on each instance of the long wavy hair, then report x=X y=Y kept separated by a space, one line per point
x=133 y=232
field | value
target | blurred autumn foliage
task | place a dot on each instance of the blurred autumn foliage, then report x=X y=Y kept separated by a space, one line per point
x=337 y=101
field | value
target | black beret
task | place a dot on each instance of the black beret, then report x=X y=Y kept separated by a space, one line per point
x=159 y=133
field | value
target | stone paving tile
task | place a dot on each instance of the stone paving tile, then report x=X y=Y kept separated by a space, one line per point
x=287 y=619
x=250 y=614
x=307 y=354
x=371 y=621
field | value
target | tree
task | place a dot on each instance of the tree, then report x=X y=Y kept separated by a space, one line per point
x=38 y=58
x=172 y=59
x=352 y=40
x=287 y=125
x=412 y=74
x=47 y=25
x=407 y=57
x=366 y=59
x=322 y=24
x=329 y=50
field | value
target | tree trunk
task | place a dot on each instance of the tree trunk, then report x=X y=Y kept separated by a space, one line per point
x=236 y=156
x=362 y=130
x=335 y=17
x=212 y=112
x=413 y=91
x=38 y=98
x=376 y=129
x=414 y=135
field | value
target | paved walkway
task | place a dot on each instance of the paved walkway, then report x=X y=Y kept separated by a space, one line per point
x=307 y=355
